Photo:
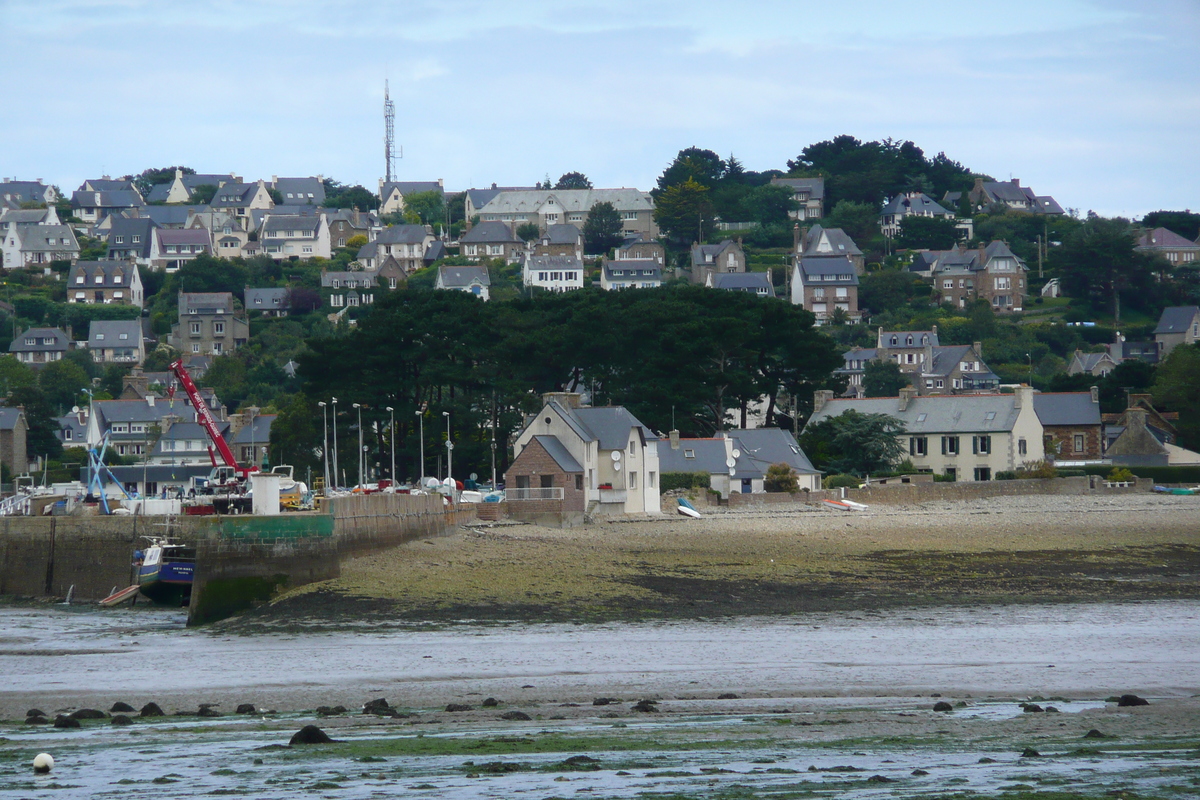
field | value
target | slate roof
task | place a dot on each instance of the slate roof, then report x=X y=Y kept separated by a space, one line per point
x=644 y=268
x=706 y=254
x=901 y=338
x=825 y=268
x=557 y=451
x=172 y=216
x=917 y=203
x=1176 y=319
x=707 y=455
x=257 y=432
x=126 y=229
x=753 y=282
x=105 y=185
x=234 y=195
x=59 y=341
x=609 y=425
x=402 y=234
x=489 y=232
x=121 y=198
x=1066 y=408
x=264 y=299
x=114 y=411
x=463 y=277
x=1089 y=361
x=205 y=302
x=293 y=223
x=107 y=333
x=569 y=200
x=188 y=431
x=947 y=357
x=24 y=216
x=552 y=262
x=47 y=238
x=966 y=413
x=837 y=240
x=183 y=236
x=24 y=191
x=1005 y=191
x=70 y=422
x=9 y=418
x=562 y=233
x=815 y=186
x=362 y=279
x=762 y=447
x=481 y=197
x=409 y=187
x=301 y=191
x=435 y=252
x=1161 y=238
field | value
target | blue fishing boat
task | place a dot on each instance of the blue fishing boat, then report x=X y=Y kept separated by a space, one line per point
x=165 y=570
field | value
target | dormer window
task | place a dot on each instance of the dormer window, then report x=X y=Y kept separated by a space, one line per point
x=910 y=340
x=689 y=453
x=99 y=337
x=79 y=279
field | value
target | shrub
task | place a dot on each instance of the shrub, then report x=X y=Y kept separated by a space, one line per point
x=1072 y=473
x=1006 y=475
x=1039 y=470
x=684 y=480
x=781 y=478
x=843 y=480
x=1120 y=474
x=947 y=478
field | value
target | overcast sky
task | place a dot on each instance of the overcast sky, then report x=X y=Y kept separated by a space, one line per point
x=1096 y=102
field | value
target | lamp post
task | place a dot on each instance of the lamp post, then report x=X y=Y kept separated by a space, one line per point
x=392 y=435
x=360 y=444
x=421 y=436
x=325 y=443
x=335 y=453
x=449 y=452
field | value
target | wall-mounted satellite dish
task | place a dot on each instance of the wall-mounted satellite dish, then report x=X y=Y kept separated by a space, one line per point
x=737 y=453
x=732 y=472
x=616 y=455
x=729 y=462
x=617 y=466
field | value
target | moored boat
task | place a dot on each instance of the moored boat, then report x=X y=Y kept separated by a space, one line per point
x=165 y=570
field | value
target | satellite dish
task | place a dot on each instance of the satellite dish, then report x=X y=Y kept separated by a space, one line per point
x=617 y=467
x=474 y=476
x=616 y=455
x=732 y=472
x=737 y=453
x=729 y=462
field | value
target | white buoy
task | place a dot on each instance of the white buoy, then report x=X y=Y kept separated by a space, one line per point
x=43 y=762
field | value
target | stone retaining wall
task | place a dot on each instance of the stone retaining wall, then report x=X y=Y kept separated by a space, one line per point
x=913 y=493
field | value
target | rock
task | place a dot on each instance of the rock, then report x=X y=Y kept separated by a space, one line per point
x=728 y=696
x=516 y=716
x=1029 y=752
x=207 y=710
x=880 y=779
x=245 y=708
x=88 y=713
x=1094 y=734
x=986 y=760
x=646 y=706
x=580 y=761
x=376 y=706
x=1032 y=708
x=942 y=705
x=332 y=711
x=33 y=712
x=455 y=707
x=37 y=720
x=1127 y=700
x=63 y=721
x=1051 y=710
x=151 y=710
x=310 y=734
x=491 y=702
x=919 y=772
x=121 y=719
x=122 y=708
x=604 y=701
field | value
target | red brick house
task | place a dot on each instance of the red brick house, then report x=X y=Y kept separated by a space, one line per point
x=548 y=481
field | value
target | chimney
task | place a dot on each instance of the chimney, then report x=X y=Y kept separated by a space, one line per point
x=1023 y=396
x=150 y=400
x=1015 y=181
x=820 y=398
x=796 y=237
x=978 y=348
x=1096 y=394
x=441 y=184
x=493 y=184
x=934 y=331
x=568 y=400
x=978 y=185
x=928 y=365
x=674 y=440
x=274 y=181
x=907 y=394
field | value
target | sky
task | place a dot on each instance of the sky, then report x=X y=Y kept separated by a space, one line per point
x=1095 y=102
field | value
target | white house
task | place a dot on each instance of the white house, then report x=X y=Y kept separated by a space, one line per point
x=473 y=280
x=554 y=273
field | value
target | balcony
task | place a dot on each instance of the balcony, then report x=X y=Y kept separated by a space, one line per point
x=613 y=495
x=536 y=493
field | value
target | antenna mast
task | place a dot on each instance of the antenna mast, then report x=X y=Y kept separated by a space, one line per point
x=389 y=138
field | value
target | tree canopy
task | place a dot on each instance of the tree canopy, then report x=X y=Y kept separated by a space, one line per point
x=602 y=228
x=1099 y=261
x=573 y=180
x=855 y=443
x=684 y=211
x=883 y=379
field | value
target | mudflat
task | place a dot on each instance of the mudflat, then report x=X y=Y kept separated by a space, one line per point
x=771 y=560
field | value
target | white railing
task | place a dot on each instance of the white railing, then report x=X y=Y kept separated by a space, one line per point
x=16 y=506
x=537 y=493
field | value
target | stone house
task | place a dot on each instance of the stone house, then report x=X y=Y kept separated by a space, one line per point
x=809 y=194
x=348 y=289
x=116 y=341
x=40 y=346
x=105 y=282
x=346 y=223
x=1010 y=194
x=617 y=457
x=1095 y=364
x=405 y=244
x=909 y=204
x=637 y=248
x=1177 y=325
x=14 y=431
x=728 y=256
x=271 y=302
x=546 y=207
x=825 y=284
x=553 y=273
x=563 y=239
x=1072 y=428
x=932 y=367
x=818 y=241
x=970 y=437
x=993 y=273
x=545 y=483
x=209 y=324
x=492 y=240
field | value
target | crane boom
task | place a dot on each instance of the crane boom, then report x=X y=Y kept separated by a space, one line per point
x=205 y=418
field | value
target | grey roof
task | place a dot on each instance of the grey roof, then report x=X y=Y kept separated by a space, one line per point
x=762 y=447
x=155 y=473
x=1006 y=191
x=1044 y=204
x=528 y=201
x=183 y=236
x=106 y=185
x=47 y=238
x=556 y=450
x=257 y=432
x=553 y=262
x=184 y=431
x=998 y=249
x=24 y=216
x=815 y=186
x=463 y=277
x=264 y=299
x=481 y=197
x=951 y=414
x=125 y=229
x=403 y=234
x=703 y=254
x=233 y=195
x=1066 y=408
x=1089 y=361
x=633 y=268
x=435 y=252
x=58 y=341
x=257 y=215
x=829 y=241
x=490 y=231
x=291 y=224
x=562 y=233
x=694 y=455
x=172 y=216
x=409 y=187
x=301 y=190
x=111 y=411
x=108 y=333
x=857 y=354
x=832 y=269
x=946 y=358
x=205 y=302
x=362 y=279
x=71 y=422
x=754 y=282
x=914 y=203
x=635 y=239
x=610 y=425
x=1176 y=319
x=24 y=191
x=9 y=418
x=121 y=198
x=918 y=338
x=1161 y=238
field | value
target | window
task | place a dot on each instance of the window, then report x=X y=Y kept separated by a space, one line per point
x=918 y=445
x=650 y=480
x=79 y=279
x=949 y=445
x=1079 y=443
x=195 y=347
x=981 y=445
x=1022 y=448
x=633 y=480
x=218 y=329
x=989 y=416
x=689 y=453
x=983 y=474
x=819 y=291
x=99 y=279
x=195 y=328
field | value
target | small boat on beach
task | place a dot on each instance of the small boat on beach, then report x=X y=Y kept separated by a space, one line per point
x=165 y=570
x=845 y=505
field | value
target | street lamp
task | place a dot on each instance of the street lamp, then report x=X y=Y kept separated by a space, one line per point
x=449 y=452
x=392 y=435
x=360 y=445
x=325 y=443
x=421 y=422
x=335 y=452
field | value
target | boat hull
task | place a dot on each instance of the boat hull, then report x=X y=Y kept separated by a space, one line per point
x=167 y=584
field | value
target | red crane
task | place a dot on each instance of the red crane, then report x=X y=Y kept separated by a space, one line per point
x=205 y=418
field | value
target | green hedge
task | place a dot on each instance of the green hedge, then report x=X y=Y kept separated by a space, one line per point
x=684 y=480
x=1156 y=474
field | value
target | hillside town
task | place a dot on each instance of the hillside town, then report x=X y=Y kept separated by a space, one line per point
x=977 y=325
